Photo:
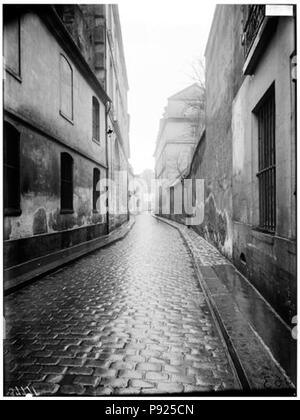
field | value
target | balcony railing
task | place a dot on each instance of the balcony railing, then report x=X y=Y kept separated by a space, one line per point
x=253 y=19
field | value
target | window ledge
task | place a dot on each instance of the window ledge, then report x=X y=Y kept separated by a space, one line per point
x=12 y=212
x=96 y=141
x=66 y=211
x=14 y=74
x=263 y=235
x=66 y=118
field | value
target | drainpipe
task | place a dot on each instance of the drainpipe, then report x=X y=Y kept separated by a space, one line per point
x=107 y=110
x=127 y=192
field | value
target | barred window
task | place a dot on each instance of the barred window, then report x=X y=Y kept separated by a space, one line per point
x=96 y=120
x=66 y=192
x=265 y=112
x=96 y=192
x=66 y=88
x=11 y=160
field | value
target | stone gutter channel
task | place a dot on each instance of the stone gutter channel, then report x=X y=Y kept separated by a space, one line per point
x=260 y=344
x=53 y=262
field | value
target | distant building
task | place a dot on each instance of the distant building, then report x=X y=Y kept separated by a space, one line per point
x=247 y=156
x=140 y=192
x=178 y=135
x=56 y=147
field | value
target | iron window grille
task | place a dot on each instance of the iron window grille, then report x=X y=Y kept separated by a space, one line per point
x=253 y=16
x=265 y=112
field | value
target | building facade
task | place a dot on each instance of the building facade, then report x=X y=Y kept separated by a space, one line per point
x=56 y=149
x=100 y=25
x=247 y=155
x=178 y=135
x=141 y=191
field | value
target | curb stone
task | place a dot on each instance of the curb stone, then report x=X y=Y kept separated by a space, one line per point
x=14 y=284
x=256 y=367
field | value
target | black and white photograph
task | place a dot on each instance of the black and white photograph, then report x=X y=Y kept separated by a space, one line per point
x=149 y=198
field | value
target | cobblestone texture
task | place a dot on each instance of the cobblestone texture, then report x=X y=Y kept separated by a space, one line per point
x=259 y=337
x=205 y=253
x=128 y=319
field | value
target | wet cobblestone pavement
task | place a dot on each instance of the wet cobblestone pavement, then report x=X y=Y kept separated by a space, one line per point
x=125 y=320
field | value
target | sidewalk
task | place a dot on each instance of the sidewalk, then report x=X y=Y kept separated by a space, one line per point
x=260 y=343
x=18 y=276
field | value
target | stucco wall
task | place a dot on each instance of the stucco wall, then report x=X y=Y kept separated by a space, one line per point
x=33 y=105
x=227 y=158
x=38 y=95
x=223 y=78
x=270 y=259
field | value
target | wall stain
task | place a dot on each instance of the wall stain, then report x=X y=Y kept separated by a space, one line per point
x=40 y=222
x=58 y=221
x=83 y=213
x=214 y=227
x=7 y=228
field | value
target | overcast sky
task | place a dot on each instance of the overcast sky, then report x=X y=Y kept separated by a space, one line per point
x=162 y=38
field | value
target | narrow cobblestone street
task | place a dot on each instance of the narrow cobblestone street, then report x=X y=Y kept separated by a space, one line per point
x=128 y=319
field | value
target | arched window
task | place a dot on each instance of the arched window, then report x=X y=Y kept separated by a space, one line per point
x=66 y=184
x=11 y=157
x=96 y=119
x=66 y=88
x=96 y=192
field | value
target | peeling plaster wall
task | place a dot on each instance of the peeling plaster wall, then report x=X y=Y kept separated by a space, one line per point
x=37 y=97
x=227 y=159
x=40 y=196
x=269 y=260
x=117 y=162
x=33 y=105
x=213 y=158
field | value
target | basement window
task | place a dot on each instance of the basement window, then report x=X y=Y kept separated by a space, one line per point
x=66 y=192
x=11 y=157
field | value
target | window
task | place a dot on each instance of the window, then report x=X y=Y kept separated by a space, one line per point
x=171 y=200
x=11 y=159
x=96 y=192
x=265 y=112
x=66 y=89
x=96 y=120
x=66 y=192
x=12 y=41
